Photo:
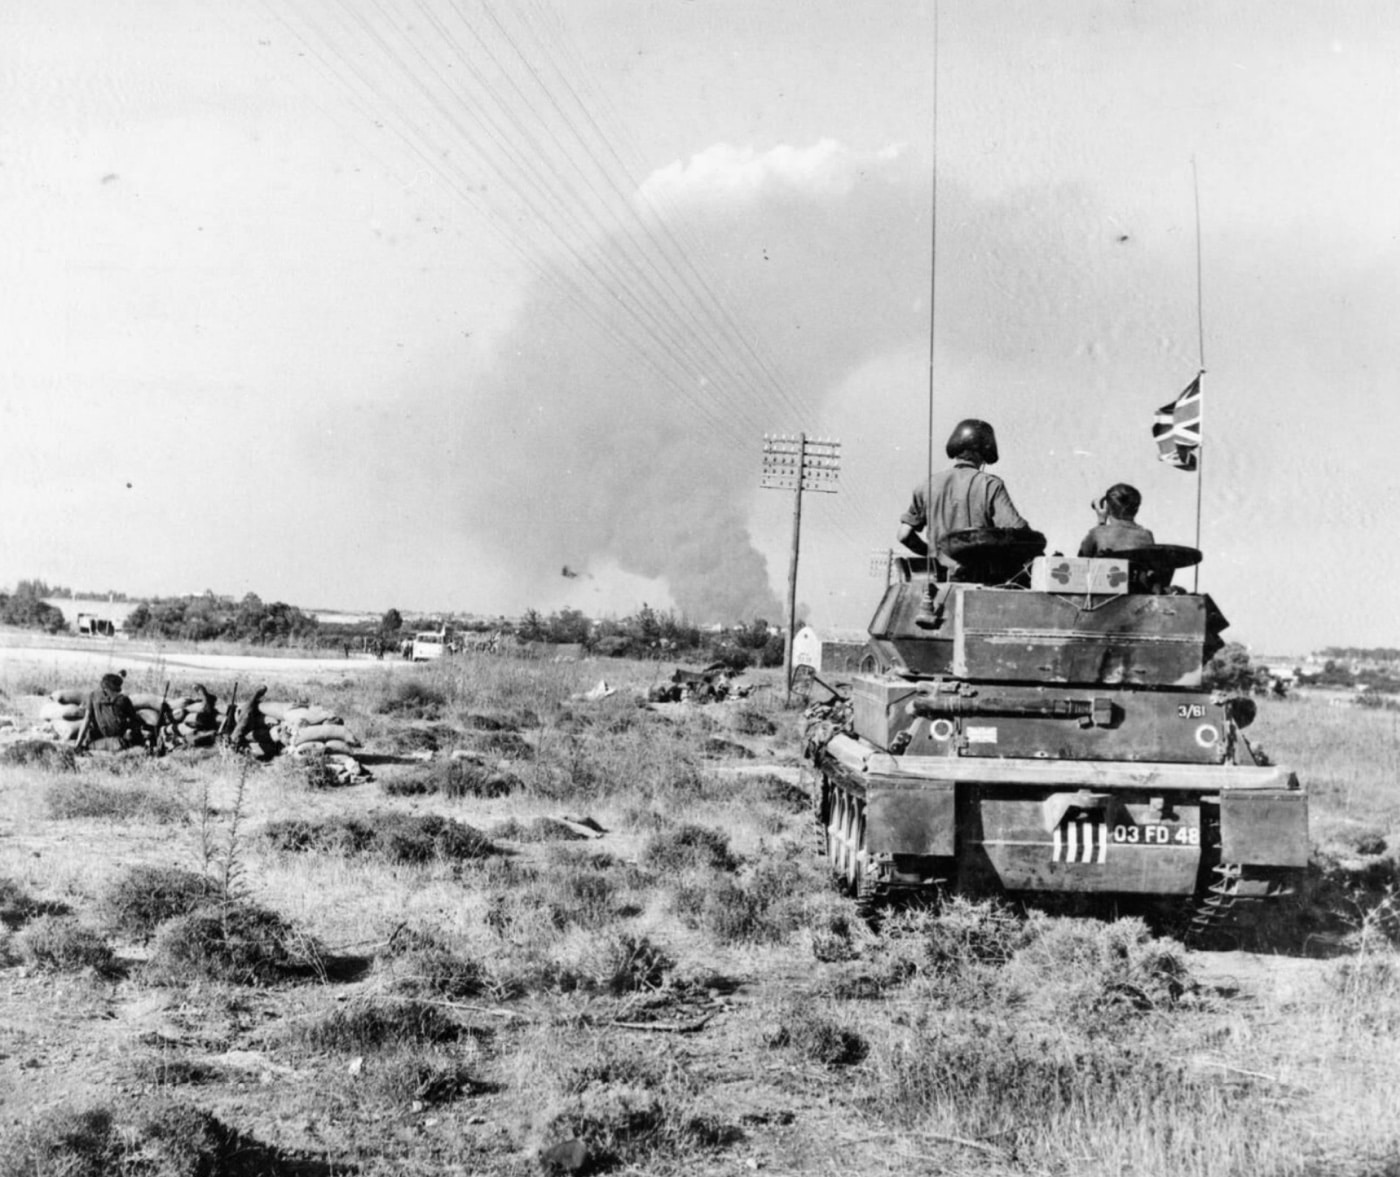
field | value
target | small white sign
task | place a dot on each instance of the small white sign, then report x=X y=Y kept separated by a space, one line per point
x=981 y=735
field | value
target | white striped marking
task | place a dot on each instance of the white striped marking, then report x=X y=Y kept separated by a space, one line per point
x=1081 y=840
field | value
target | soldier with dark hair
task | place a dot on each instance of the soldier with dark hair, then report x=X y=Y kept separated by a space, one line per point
x=961 y=497
x=111 y=723
x=1118 y=530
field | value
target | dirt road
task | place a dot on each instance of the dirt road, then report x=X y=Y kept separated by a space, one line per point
x=22 y=654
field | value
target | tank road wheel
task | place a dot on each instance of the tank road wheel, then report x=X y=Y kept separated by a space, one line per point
x=836 y=831
x=855 y=853
x=821 y=799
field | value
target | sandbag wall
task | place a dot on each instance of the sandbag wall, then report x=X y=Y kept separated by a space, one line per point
x=63 y=713
x=301 y=729
x=308 y=731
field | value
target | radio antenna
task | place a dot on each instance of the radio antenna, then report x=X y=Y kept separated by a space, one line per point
x=932 y=305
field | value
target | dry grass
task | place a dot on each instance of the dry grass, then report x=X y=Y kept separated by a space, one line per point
x=58 y=943
x=144 y=897
x=239 y=943
x=83 y=798
x=687 y=992
x=155 y=1138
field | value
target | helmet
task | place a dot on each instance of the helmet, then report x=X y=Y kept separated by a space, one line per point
x=973 y=436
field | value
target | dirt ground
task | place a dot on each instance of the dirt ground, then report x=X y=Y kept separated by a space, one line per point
x=1272 y=1036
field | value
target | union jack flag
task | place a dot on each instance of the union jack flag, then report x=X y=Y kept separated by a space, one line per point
x=1177 y=428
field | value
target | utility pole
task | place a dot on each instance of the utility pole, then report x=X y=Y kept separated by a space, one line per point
x=797 y=464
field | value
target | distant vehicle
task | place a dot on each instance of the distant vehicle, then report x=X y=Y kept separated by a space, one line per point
x=90 y=625
x=428 y=645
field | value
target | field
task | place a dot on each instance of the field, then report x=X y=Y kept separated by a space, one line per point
x=214 y=967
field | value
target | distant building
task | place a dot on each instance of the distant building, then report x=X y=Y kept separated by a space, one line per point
x=833 y=651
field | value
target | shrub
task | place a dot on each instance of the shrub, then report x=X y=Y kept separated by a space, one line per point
x=61 y=944
x=71 y=1142
x=164 y=1140
x=235 y=942
x=952 y=939
x=625 y=964
x=817 y=1037
x=429 y=738
x=503 y=745
x=455 y=779
x=414 y=698
x=16 y=905
x=144 y=897
x=722 y=749
x=764 y=908
x=422 y=839
x=78 y=797
x=40 y=754
x=163 y=1071
x=749 y=722
x=1084 y=969
x=411 y=1076
x=397 y=837
x=572 y=895
x=1019 y=1082
x=419 y=964
x=373 y=1024
x=540 y=829
x=689 y=847
x=785 y=795
x=624 y=1109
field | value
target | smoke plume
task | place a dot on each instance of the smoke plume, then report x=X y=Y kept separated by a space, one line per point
x=613 y=432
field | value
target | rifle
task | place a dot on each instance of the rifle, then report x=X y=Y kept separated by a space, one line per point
x=227 y=724
x=84 y=730
x=155 y=747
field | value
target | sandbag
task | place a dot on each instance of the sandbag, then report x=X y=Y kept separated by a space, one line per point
x=150 y=716
x=321 y=732
x=337 y=746
x=277 y=710
x=52 y=710
x=66 y=729
x=68 y=695
x=310 y=716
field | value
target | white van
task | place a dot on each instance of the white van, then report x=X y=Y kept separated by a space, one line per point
x=429 y=645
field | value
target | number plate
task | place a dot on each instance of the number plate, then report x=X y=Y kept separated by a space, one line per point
x=1155 y=834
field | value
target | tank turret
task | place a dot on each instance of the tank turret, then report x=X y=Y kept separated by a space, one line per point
x=1049 y=732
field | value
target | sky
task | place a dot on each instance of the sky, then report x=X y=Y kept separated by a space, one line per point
x=416 y=303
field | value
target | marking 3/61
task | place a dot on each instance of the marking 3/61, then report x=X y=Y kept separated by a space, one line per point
x=1156 y=835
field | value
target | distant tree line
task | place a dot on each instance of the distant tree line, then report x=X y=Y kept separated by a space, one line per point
x=653 y=633
x=1340 y=674
x=26 y=607
x=208 y=617
x=1362 y=653
x=42 y=588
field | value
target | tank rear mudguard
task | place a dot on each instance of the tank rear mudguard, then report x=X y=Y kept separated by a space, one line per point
x=1048 y=825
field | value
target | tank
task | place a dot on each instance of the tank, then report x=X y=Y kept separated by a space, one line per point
x=1050 y=735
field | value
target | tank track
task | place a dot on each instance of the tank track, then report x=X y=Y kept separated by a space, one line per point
x=1209 y=908
x=1222 y=887
x=854 y=881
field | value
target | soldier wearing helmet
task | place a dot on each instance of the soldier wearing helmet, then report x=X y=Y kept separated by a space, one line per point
x=960 y=497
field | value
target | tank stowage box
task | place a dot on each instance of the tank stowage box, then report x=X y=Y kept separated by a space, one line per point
x=1026 y=741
